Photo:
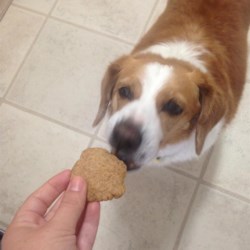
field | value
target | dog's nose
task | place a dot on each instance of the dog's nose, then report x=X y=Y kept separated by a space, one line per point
x=126 y=139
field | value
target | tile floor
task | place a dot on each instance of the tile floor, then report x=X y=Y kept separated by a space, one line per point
x=52 y=58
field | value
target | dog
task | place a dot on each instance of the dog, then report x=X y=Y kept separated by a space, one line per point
x=181 y=84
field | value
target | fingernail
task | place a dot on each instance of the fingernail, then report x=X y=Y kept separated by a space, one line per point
x=76 y=184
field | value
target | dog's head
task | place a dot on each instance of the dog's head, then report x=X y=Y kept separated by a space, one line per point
x=154 y=103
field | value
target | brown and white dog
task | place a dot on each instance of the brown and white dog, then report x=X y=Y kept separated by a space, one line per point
x=182 y=83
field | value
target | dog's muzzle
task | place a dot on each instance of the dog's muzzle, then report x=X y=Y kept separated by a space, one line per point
x=125 y=139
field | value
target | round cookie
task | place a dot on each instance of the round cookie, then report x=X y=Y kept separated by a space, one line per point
x=103 y=172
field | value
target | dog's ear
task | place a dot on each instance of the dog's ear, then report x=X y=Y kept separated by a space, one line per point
x=212 y=110
x=107 y=86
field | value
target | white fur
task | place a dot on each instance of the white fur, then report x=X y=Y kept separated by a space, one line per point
x=143 y=111
x=181 y=50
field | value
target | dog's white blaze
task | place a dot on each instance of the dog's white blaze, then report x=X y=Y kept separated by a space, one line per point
x=181 y=50
x=143 y=111
x=154 y=77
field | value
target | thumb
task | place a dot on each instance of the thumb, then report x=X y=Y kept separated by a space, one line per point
x=72 y=205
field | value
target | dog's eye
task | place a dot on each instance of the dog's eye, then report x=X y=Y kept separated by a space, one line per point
x=172 y=108
x=126 y=93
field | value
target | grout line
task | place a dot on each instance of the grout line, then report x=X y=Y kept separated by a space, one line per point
x=29 y=9
x=100 y=139
x=27 y=110
x=203 y=168
x=47 y=118
x=181 y=172
x=149 y=18
x=186 y=216
x=206 y=163
x=200 y=182
x=95 y=136
x=28 y=52
x=110 y=36
x=91 y=142
x=225 y=191
x=190 y=206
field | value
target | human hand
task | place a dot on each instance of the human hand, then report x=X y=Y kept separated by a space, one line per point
x=71 y=223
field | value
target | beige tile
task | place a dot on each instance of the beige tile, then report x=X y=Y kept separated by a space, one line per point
x=108 y=239
x=150 y=213
x=43 y=6
x=193 y=167
x=217 y=222
x=32 y=150
x=61 y=77
x=18 y=30
x=100 y=144
x=124 y=19
x=230 y=162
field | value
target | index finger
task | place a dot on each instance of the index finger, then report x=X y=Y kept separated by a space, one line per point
x=38 y=202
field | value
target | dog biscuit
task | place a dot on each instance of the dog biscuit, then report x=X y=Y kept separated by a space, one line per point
x=103 y=172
